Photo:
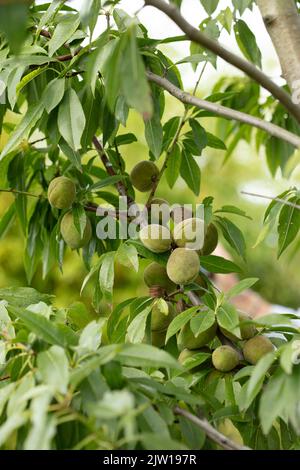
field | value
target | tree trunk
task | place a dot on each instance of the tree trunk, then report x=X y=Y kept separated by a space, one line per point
x=283 y=24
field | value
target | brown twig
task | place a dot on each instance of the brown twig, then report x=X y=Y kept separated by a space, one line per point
x=109 y=169
x=209 y=430
x=225 y=112
x=270 y=198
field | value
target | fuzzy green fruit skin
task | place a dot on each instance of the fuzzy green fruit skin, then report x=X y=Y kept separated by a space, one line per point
x=159 y=321
x=187 y=340
x=144 y=175
x=189 y=233
x=70 y=233
x=156 y=275
x=159 y=213
x=156 y=238
x=186 y=354
x=210 y=240
x=248 y=330
x=225 y=358
x=257 y=347
x=158 y=338
x=180 y=213
x=61 y=192
x=229 y=430
x=183 y=266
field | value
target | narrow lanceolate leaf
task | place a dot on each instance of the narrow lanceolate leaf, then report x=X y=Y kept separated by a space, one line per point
x=80 y=218
x=23 y=129
x=202 y=322
x=52 y=333
x=127 y=255
x=210 y=5
x=173 y=165
x=217 y=264
x=63 y=31
x=199 y=135
x=154 y=135
x=134 y=83
x=106 y=274
x=28 y=77
x=289 y=224
x=179 y=321
x=71 y=119
x=247 y=42
x=240 y=287
x=227 y=318
x=190 y=172
x=136 y=329
x=54 y=368
x=232 y=235
x=53 y=93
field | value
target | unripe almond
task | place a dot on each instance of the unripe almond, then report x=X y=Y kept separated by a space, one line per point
x=61 y=192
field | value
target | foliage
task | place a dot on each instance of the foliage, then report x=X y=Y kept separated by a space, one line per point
x=70 y=381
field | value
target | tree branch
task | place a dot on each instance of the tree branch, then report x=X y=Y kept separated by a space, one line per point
x=109 y=169
x=210 y=431
x=225 y=112
x=270 y=198
x=249 y=69
x=282 y=21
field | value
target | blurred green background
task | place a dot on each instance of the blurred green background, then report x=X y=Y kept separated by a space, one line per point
x=245 y=170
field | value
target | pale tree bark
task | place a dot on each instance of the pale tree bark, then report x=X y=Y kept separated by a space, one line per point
x=282 y=21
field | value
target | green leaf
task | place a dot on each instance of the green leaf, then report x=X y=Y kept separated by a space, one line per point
x=73 y=156
x=247 y=42
x=154 y=134
x=217 y=264
x=144 y=355
x=86 y=367
x=125 y=139
x=63 y=31
x=242 y=5
x=23 y=129
x=79 y=315
x=232 y=210
x=257 y=377
x=225 y=18
x=173 y=165
x=214 y=142
x=23 y=296
x=179 y=321
x=202 y=322
x=54 y=368
x=71 y=119
x=160 y=258
x=232 y=235
x=190 y=172
x=240 y=287
x=80 y=218
x=58 y=334
x=109 y=181
x=199 y=135
x=43 y=426
x=227 y=318
x=289 y=224
x=53 y=93
x=136 y=329
x=127 y=255
x=210 y=5
x=136 y=89
x=12 y=423
x=107 y=273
